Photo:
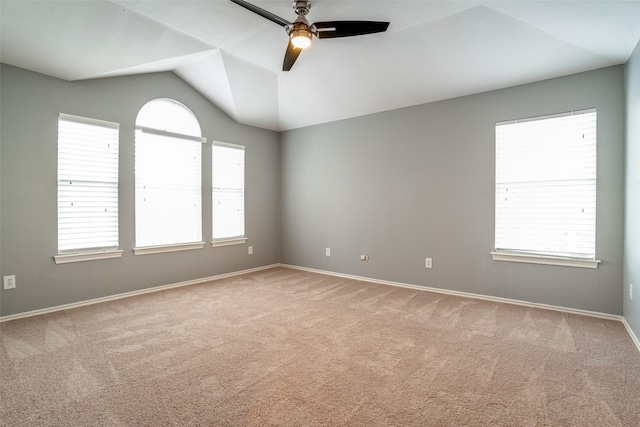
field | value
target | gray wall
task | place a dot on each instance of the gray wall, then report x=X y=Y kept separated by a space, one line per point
x=398 y=186
x=632 y=214
x=418 y=182
x=30 y=105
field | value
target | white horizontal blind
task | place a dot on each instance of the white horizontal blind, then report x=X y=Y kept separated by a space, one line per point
x=546 y=185
x=87 y=184
x=168 y=188
x=228 y=191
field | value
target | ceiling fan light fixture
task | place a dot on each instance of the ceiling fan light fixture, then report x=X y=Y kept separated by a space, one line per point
x=300 y=32
x=301 y=38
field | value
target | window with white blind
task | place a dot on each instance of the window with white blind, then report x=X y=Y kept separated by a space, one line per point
x=87 y=189
x=228 y=194
x=168 y=178
x=546 y=190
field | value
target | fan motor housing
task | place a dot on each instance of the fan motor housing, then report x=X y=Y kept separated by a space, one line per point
x=301 y=7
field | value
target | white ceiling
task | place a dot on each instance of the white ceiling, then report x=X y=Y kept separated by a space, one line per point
x=432 y=50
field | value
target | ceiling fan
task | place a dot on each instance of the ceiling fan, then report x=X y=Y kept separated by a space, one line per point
x=301 y=32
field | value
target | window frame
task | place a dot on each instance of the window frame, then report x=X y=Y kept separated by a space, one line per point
x=535 y=256
x=180 y=137
x=228 y=240
x=80 y=254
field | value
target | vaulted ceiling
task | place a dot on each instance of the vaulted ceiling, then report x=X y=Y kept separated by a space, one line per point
x=432 y=50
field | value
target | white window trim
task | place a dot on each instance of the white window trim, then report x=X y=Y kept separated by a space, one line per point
x=159 y=132
x=235 y=240
x=182 y=246
x=229 y=242
x=88 y=121
x=88 y=256
x=230 y=145
x=149 y=250
x=541 y=257
x=545 y=259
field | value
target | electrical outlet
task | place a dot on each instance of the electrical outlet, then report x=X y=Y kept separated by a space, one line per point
x=327 y=252
x=428 y=263
x=631 y=291
x=250 y=250
x=364 y=257
x=9 y=282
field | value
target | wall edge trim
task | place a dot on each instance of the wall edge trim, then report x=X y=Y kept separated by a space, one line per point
x=633 y=336
x=160 y=288
x=131 y=294
x=597 y=314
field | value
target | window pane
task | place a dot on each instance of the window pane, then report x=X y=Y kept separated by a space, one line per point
x=87 y=184
x=546 y=185
x=168 y=171
x=228 y=191
x=170 y=116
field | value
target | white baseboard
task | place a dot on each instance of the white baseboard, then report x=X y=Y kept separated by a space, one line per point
x=131 y=294
x=329 y=273
x=633 y=336
x=478 y=296
x=463 y=294
x=597 y=314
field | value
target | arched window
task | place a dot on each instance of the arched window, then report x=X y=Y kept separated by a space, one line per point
x=168 y=178
x=170 y=116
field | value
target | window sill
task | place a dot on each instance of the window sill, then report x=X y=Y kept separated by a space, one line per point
x=148 y=250
x=229 y=242
x=546 y=260
x=87 y=256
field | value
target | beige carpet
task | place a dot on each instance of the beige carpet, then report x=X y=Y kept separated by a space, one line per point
x=290 y=348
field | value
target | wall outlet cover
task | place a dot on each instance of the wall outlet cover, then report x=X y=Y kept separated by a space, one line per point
x=9 y=282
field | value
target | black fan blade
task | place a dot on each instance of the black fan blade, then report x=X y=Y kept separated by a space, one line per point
x=290 y=56
x=331 y=29
x=264 y=13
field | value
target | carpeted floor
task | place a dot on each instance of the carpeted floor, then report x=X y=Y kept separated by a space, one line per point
x=283 y=347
